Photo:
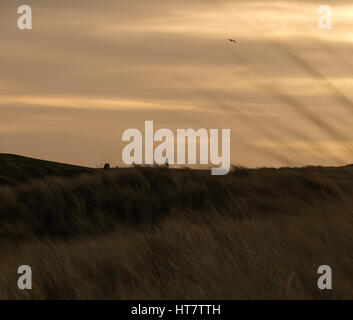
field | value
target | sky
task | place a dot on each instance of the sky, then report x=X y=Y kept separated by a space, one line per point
x=90 y=69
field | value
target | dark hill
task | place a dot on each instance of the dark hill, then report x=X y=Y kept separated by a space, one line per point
x=16 y=169
x=157 y=233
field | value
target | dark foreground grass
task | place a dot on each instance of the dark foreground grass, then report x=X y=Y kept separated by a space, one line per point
x=153 y=233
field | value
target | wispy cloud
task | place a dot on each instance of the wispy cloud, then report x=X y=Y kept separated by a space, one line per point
x=126 y=57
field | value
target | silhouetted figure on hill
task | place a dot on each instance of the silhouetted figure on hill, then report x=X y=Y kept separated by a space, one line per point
x=167 y=163
x=106 y=166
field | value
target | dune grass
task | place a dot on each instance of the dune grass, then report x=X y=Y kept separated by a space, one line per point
x=154 y=233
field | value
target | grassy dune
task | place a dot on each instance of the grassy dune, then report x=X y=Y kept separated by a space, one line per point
x=16 y=169
x=154 y=233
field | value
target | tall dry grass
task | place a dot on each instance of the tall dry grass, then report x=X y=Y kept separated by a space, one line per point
x=152 y=233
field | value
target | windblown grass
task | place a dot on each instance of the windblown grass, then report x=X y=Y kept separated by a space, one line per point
x=153 y=233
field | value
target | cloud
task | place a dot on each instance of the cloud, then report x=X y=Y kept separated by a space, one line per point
x=137 y=59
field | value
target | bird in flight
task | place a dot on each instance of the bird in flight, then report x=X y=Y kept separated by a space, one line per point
x=231 y=40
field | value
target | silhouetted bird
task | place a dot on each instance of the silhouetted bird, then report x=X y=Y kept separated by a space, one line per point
x=231 y=40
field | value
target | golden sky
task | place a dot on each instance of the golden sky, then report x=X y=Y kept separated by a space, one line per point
x=90 y=69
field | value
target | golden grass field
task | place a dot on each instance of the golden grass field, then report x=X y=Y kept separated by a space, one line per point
x=156 y=233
